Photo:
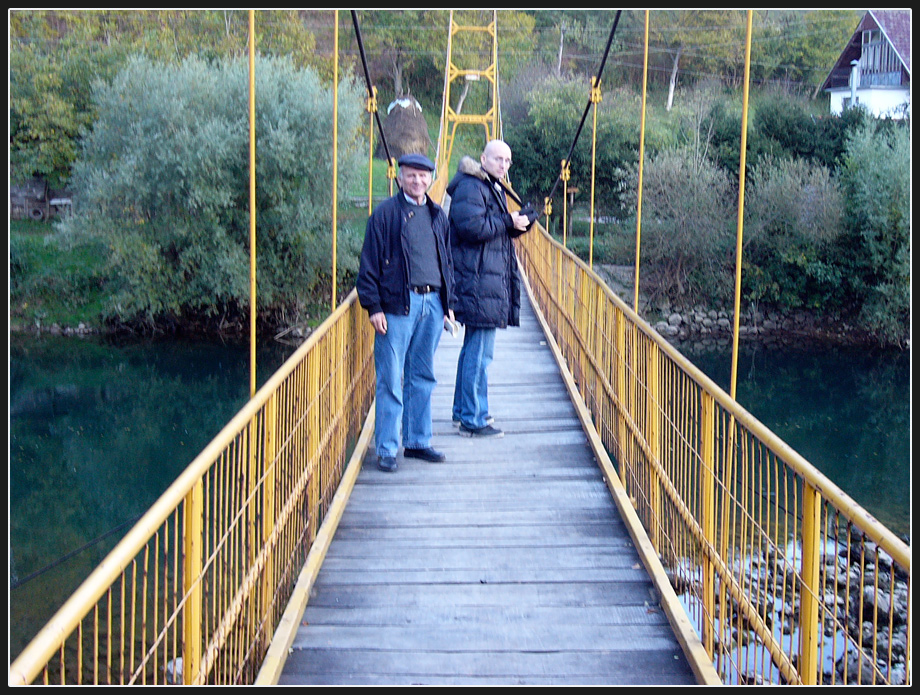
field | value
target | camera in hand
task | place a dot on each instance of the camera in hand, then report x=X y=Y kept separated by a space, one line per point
x=530 y=212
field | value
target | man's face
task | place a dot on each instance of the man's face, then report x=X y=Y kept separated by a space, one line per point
x=414 y=182
x=496 y=160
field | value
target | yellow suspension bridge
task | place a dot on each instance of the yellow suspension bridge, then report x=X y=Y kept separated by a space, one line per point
x=635 y=526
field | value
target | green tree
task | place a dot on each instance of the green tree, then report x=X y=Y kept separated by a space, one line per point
x=164 y=176
x=794 y=212
x=546 y=116
x=799 y=47
x=703 y=43
x=399 y=43
x=51 y=104
x=687 y=223
x=571 y=42
x=57 y=55
x=875 y=249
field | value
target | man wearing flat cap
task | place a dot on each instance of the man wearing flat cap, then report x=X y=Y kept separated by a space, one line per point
x=405 y=282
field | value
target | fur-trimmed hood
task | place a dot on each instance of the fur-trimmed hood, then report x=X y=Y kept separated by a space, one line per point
x=470 y=166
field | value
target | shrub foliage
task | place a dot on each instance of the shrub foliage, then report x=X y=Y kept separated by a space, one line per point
x=164 y=180
x=827 y=198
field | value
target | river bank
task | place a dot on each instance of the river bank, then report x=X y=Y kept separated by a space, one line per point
x=691 y=329
x=697 y=327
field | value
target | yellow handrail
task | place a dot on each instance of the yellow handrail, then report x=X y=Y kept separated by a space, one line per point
x=765 y=552
x=791 y=552
x=243 y=515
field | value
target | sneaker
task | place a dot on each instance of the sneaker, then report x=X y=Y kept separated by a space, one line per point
x=387 y=464
x=486 y=432
x=489 y=420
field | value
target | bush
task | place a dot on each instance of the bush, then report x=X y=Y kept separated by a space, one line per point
x=875 y=249
x=786 y=128
x=794 y=215
x=688 y=223
x=164 y=182
x=544 y=131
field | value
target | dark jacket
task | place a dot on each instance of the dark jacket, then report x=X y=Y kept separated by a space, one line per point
x=383 y=273
x=486 y=279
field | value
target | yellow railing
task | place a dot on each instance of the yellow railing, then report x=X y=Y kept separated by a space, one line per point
x=194 y=591
x=785 y=578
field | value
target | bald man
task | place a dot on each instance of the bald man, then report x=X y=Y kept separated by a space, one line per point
x=486 y=279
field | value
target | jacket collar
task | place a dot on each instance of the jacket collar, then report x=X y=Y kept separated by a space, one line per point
x=471 y=167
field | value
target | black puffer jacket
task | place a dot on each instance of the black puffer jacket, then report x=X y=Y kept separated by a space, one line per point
x=486 y=279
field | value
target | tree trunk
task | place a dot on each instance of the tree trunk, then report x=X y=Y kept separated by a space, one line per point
x=463 y=95
x=673 y=82
x=559 y=59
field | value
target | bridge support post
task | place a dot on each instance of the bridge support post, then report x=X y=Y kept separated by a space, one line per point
x=268 y=513
x=708 y=488
x=654 y=445
x=191 y=574
x=808 y=616
x=621 y=395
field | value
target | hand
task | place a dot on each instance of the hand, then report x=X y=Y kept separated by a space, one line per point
x=379 y=322
x=449 y=325
x=520 y=221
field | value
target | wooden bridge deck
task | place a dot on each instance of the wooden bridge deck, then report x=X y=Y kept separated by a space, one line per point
x=507 y=564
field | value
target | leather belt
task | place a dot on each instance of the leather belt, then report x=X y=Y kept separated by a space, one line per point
x=424 y=289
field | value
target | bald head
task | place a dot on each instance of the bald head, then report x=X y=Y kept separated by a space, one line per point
x=496 y=158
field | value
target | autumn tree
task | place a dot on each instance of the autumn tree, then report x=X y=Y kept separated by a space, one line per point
x=57 y=55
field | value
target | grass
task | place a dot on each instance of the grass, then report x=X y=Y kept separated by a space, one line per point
x=50 y=285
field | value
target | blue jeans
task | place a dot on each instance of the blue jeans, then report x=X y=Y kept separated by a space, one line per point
x=404 y=363
x=471 y=389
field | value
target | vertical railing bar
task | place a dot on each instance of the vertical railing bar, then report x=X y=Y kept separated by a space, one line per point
x=80 y=653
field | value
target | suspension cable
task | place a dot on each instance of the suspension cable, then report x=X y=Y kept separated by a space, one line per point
x=370 y=89
x=584 y=115
x=61 y=560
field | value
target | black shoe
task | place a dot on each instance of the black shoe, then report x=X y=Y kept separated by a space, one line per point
x=487 y=432
x=427 y=454
x=387 y=463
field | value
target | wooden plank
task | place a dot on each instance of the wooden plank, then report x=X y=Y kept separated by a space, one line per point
x=623 y=589
x=512 y=636
x=506 y=564
x=488 y=668
x=445 y=613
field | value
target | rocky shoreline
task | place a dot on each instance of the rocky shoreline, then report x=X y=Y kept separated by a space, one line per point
x=696 y=328
x=691 y=329
x=864 y=603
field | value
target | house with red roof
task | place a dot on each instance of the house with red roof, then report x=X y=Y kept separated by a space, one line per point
x=874 y=68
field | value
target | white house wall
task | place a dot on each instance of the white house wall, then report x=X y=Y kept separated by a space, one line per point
x=880 y=102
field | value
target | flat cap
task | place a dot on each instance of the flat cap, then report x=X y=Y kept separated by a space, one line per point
x=416 y=161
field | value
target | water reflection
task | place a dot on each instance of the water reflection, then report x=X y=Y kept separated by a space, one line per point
x=97 y=432
x=845 y=410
